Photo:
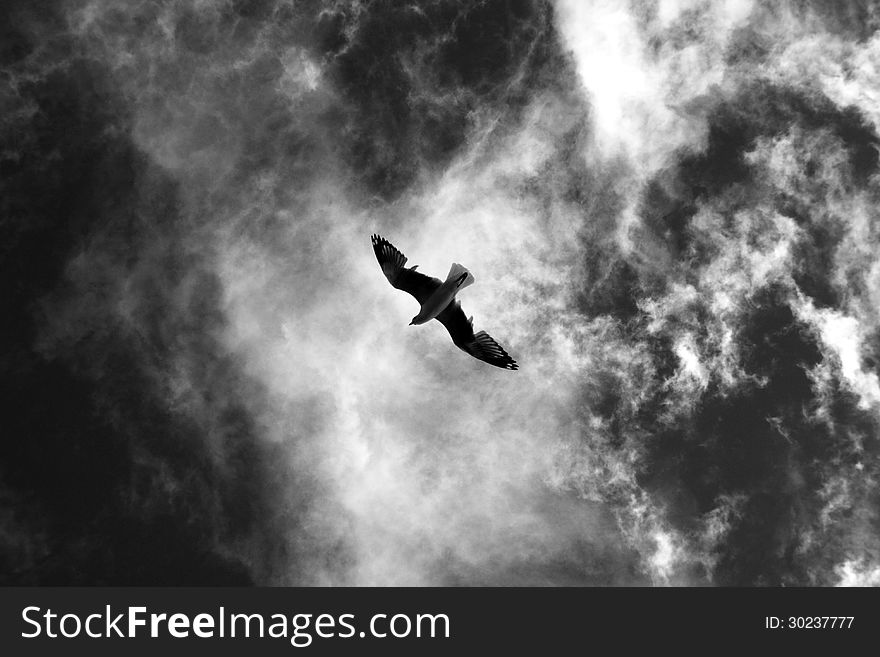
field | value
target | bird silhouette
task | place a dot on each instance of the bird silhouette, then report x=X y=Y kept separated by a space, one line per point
x=437 y=299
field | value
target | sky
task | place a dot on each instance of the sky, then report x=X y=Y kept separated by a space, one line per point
x=669 y=208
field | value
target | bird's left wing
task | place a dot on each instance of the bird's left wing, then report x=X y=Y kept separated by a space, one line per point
x=409 y=280
x=479 y=345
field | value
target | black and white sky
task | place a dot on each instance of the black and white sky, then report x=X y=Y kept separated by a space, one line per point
x=671 y=211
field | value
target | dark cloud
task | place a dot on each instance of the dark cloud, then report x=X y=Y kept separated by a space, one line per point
x=417 y=76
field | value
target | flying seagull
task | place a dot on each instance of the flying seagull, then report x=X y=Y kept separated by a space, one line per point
x=438 y=302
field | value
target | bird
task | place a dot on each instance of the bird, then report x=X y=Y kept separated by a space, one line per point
x=437 y=299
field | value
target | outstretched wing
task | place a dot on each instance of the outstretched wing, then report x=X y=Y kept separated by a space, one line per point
x=409 y=280
x=479 y=345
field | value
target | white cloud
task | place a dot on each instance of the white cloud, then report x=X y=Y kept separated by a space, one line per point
x=857 y=573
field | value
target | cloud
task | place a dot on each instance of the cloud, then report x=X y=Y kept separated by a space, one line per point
x=669 y=217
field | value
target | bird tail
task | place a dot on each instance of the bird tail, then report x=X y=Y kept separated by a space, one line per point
x=460 y=273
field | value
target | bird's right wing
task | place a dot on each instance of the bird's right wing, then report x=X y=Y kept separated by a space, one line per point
x=484 y=347
x=392 y=262
x=479 y=345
